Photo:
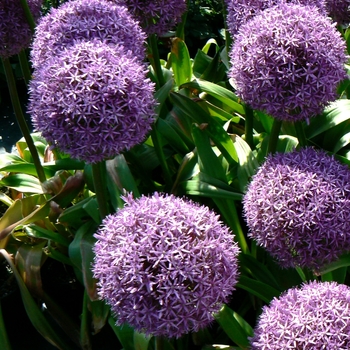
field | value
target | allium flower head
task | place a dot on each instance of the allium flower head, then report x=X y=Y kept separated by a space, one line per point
x=241 y=11
x=165 y=264
x=297 y=207
x=157 y=16
x=288 y=61
x=316 y=316
x=84 y=20
x=15 y=33
x=339 y=10
x=92 y=101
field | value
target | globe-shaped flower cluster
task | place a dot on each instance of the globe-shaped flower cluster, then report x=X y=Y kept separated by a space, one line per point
x=240 y=11
x=92 y=101
x=90 y=96
x=315 y=316
x=15 y=33
x=83 y=20
x=287 y=61
x=165 y=264
x=157 y=16
x=297 y=207
x=339 y=11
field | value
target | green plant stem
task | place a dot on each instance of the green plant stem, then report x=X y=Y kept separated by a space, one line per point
x=159 y=343
x=300 y=134
x=28 y=15
x=274 y=135
x=154 y=59
x=99 y=179
x=4 y=340
x=23 y=61
x=249 y=117
x=161 y=156
x=21 y=120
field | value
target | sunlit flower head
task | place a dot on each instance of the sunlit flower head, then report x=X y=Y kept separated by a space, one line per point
x=297 y=207
x=157 y=16
x=315 y=316
x=339 y=11
x=165 y=264
x=92 y=101
x=84 y=20
x=15 y=32
x=287 y=61
x=241 y=11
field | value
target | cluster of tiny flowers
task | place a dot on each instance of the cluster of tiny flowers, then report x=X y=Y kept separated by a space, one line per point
x=339 y=11
x=92 y=101
x=15 y=32
x=297 y=207
x=84 y=20
x=240 y=11
x=164 y=264
x=157 y=16
x=316 y=316
x=288 y=61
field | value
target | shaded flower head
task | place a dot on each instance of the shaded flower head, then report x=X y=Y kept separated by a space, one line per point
x=316 y=316
x=297 y=207
x=241 y=11
x=92 y=101
x=288 y=61
x=339 y=10
x=15 y=33
x=157 y=16
x=165 y=264
x=84 y=20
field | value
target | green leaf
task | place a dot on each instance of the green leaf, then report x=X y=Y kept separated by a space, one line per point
x=232 y=327
x=141 y=341
x=337 y=113
x=35 y=315
x=262 y=290
x=343 y=261
x=215 y=131
x=124 y=333
x=222 y=94
x=180 y=62
x=4 y=340
x=39 y=232
x=22 y=183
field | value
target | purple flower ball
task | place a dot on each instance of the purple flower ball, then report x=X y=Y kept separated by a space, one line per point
x=85 y=20
x=241 y=11
x=297 y=207
x=316 y=316
x=157 y=16
x=15 y=33
x=92 y=101
x=339 y=11
x=288 y=61
x=164 y=264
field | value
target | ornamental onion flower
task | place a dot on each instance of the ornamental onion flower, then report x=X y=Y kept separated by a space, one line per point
x=315 y=316
x=240 y=11
x=288 y=61
x=339 y=11
x=92 y=101
x=15 y=33
x=157 y=16
x=297 y=207
x=164 y=264
x=84 y=20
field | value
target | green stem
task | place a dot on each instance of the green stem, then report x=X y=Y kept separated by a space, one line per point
x=84 y=326
x=249 y=117
x=23 y=61
x=155 y=59
x=28 y=15
x=161 y=156
x=300 y=134
x=99 y=179
x=159 y=343
x=274 y=135
x=4 y=340
x=20 y=118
